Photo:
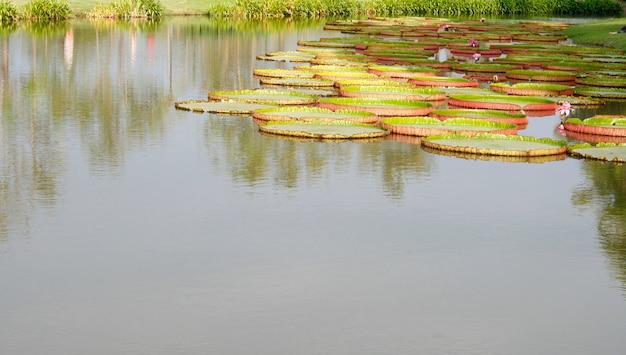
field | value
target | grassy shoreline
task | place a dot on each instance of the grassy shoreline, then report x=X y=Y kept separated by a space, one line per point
x=598 y=33
x=592 y=33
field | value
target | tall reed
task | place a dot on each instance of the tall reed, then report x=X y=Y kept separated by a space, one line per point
x=8 y=12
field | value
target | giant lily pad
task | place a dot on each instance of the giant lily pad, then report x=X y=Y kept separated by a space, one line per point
x=380 y=107
x=393 y=92
x=496 y=144
x=221 y=107
x=600 y=125
x=519 y=118
x=298 y=113
x=442 y=81
x=283 y=73
x=428 y=126
x=603 y=81
x=503 y=102
x=402 y=71
x=601 y=151
x=324 y=130
x=304 y=82
x=601 y=92
x=264 y=96
x=541 y=75
x=533 y=89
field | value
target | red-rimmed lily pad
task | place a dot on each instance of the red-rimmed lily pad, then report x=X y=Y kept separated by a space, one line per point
x=264 y=96
x=533 y=89
x=541 y=75
x=428 y=126
x=603 y=125
x=300 y=82
x=503 y=102
x=393 y=92
x=442 y=81
x=496 y=144
x=298 y=113
x=484 y=67
x=602 y=151
x=380 y=107
x=221 y=107
x=601 y=92
x=518 y=118
x=323 y=130
x=371 y=82
x=603 y=81
x=401 y=71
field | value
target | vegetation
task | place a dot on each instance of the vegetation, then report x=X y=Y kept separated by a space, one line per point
x=599 y=33
x=320 y=8
x=8 y=12
x=46 y=10
x=125 y=9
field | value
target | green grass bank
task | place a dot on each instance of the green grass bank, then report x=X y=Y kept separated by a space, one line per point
x=172 y=7
x=599 y=33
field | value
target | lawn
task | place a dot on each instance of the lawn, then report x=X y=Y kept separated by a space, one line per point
x=599 y=33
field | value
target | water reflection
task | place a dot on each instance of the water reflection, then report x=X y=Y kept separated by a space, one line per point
x=606 y=193
x=235 y=145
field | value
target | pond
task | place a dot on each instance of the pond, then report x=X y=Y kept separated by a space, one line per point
x=128 y=226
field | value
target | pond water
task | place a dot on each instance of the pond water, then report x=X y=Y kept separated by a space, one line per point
x=127 y=226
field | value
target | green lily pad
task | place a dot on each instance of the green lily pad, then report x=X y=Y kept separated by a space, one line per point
x=313 y=114
x=601 y=151
x=503 y=102
x=428 y=126
x=380 y=107
x=264 y=96
x=393 y=92
x=323 y=130
x=601 y=92
x=496 y=144
x=222 y=107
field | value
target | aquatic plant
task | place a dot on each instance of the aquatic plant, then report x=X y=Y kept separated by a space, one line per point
x=8 y=12
x=128 y=9
x=496 y=144
x=605 y=151
x=46 y=10
x=321 y=8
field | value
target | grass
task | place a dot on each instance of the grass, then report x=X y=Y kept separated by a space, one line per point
x=171 y=7
x=598 y=33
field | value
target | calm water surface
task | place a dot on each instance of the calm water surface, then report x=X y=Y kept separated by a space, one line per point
x=127 y=226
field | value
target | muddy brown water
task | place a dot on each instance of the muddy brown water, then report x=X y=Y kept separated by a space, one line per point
x=127 y=226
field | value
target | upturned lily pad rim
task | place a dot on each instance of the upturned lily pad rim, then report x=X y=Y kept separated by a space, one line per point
x=309 y=129
x=221 y=107
x=267 y=96
x=599 y=151
x=477 y=113
x=300 y=113
x=550 y=146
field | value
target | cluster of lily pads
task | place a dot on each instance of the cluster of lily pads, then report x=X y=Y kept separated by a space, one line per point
x=463 y=87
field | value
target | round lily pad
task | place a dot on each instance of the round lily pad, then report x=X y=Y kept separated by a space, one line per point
x=519 y=118
x=380 y=107
x=604 y=125
x=428 y=126
x=503 y=102
x=222 y=107
x=496 y=144
x=306 y=82
x=393 y=92
x=442 y=81
x=601 y=151
x=500 y=158
x=533 y=89
x=401 y=71
x=601 y=92
x=324 y=130
x=283 y=73
x=298 y=113
x=541 y=75
x=264 y=96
